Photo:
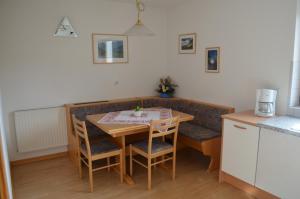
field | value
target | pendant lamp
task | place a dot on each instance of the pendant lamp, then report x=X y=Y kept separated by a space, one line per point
x=139 y=29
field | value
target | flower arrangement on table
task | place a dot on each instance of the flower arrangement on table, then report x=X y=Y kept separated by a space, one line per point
x=166 y=87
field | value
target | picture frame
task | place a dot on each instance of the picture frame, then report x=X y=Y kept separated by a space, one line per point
x=187 y=43
x=109 y=48
x=212 y=61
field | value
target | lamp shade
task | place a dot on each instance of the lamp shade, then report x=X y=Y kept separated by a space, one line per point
x=65 y=29
x=139 y=29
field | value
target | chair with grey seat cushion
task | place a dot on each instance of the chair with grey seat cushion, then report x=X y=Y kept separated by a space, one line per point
x=96 y=150
x=156 y=146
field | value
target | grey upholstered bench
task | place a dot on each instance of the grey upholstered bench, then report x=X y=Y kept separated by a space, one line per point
x=202 y=134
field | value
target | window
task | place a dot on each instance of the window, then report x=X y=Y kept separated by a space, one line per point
x=294 y=104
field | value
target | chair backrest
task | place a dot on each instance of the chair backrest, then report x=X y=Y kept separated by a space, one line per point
x=162 y=128
x=81 y=134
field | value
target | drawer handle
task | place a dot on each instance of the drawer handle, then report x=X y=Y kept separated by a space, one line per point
x=239 y=127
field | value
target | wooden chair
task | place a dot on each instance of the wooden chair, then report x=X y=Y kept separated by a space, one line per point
x=156 y=147
x=92 y=151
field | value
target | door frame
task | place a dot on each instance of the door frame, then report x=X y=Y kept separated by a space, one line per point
x=3 y=182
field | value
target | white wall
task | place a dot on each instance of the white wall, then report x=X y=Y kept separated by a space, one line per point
x=256 y=39
x=5 y=153
x=38 y=70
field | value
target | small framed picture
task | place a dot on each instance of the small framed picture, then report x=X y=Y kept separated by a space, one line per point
x=212 y=60
x=187 y=43
x=110 y=48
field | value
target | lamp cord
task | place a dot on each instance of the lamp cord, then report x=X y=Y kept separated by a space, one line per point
x=140 y=8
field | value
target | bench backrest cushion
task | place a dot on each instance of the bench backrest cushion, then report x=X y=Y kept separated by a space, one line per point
x=172 y=103
x=206 y=115
x=82 y=111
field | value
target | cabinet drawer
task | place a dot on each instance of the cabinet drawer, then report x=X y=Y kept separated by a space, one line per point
x=240 y=147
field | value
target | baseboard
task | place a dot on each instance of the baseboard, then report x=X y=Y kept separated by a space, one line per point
x=250 y=189
x=39 y=158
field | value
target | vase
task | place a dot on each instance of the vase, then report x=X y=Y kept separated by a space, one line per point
x=165 y=95
x=138 y=113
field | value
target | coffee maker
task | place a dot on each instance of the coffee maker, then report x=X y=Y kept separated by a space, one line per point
x=265 y=102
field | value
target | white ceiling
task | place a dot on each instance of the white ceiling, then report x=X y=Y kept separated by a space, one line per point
x=160 y=3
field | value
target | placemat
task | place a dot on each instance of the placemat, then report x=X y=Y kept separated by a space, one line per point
x=128 y=117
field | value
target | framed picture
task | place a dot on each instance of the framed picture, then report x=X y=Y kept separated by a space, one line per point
x=187 y=43
x=110 y=48
x=212 y=60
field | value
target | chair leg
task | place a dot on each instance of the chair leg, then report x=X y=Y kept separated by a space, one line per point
x=130 y=160
x=149 y=174
x=91 y=176
x=174 y=166
x=163 y=158
x=108 y=163
x=80 y=165
x=121 y=167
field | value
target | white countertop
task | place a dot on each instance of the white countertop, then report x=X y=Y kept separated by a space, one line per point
x=283 y=124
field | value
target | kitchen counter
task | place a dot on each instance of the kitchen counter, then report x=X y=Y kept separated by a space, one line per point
x=283 y=124
x=247 y=117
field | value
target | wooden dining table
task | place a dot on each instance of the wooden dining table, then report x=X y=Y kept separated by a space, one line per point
x=120 y=131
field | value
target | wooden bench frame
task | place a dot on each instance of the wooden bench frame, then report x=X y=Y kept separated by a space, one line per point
x=211 y=148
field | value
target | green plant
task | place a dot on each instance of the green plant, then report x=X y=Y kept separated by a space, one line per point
x=138 y=108
x=166 y=85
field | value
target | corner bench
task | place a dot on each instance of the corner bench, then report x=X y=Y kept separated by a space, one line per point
x=202 y=134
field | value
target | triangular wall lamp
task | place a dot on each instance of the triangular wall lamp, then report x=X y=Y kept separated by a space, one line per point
x=65 y=29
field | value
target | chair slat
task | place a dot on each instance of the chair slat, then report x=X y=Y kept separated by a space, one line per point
x=161 y=134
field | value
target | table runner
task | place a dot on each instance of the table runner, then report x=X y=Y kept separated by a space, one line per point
x=127 y=117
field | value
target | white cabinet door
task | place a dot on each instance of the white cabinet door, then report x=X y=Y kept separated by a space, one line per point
x=240 y=147
x=278 y=168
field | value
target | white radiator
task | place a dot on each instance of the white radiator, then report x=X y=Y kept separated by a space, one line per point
x=40 y=129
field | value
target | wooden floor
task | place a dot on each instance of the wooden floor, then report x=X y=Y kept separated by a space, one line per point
x=58 y=178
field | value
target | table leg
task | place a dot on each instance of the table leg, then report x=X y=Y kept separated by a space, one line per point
x=122 y=144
